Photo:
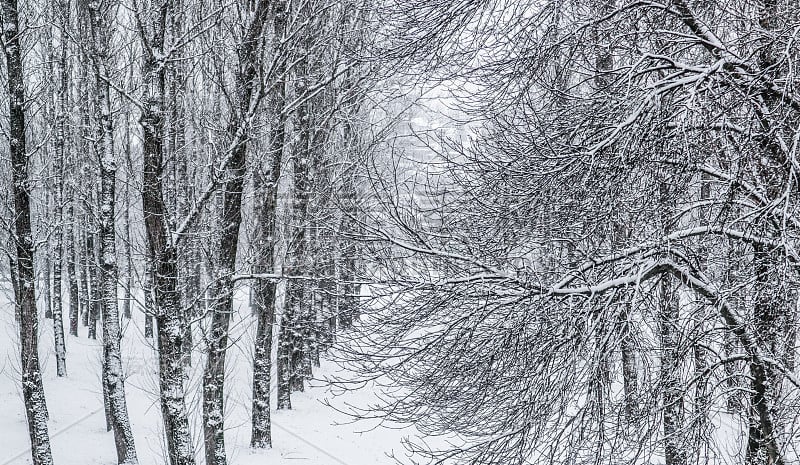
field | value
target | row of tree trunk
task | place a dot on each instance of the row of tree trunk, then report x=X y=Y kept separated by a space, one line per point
x=285 y=87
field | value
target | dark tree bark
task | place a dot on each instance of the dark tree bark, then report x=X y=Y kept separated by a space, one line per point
x=771 y=322
x=630 y=373
x=14 y=276
x=72 y=278
x=47 y=266
x=58 y=232
x=126 y=214
x=113 y=375
x=348 y=308
x=83 y=190
x=248 y=93
x=772 y=317
x=162 y=254
x=286 y=341
x=149 y=304
x=83 y=267
x=25 y=295
x=93 y=278
x=297 y=305
x=291 y=340
x=57 y=306
x=672 y=387
x=179 y=156
x=265 y=187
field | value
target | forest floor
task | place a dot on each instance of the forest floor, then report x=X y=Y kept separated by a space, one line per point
x=312 y=432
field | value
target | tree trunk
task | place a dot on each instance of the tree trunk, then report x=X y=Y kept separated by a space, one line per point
x=32 y=387
x=771 y=308
x=57 y=313
x=249 y=54
x=348 y=308
x=83 y=263
x=106 y=290
x=46 y=267
x=287 y=324
x=93 y=281
x=47 y=264
x=266 y=200
x=264 y=300
x=702 y=397
x=297 y=303
x=672 y=392
x=672 y=388
x=770 y=317
x=178 y=155
x=128 y=247
x=149 y=303
x=14 y=275
x=58 y=232
x=285 y=350
x=72 y=278
x=162 y=255
x=630 y=373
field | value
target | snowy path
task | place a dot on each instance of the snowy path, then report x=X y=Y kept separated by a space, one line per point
x=310 y=433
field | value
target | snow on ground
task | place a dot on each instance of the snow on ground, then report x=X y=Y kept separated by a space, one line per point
x=310 y=433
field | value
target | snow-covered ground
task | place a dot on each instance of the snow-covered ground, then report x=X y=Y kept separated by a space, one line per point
x=310 y=433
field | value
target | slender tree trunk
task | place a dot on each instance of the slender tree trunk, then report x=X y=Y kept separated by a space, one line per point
x=14 y=274
x=264 y=300
x=25 y=296
x=286 y=328
x=149 y=304
x=297 y=302
x=179 y=192
x=72 y=279
x=600 y=384
x=630 y=373
x=72 y=257
x=46 y=267
x=702 y=397
x=249 y=52
x=672 y=388
x=672 y=392
x=93 y=281
x=285 y=350
x=162 y=254
x=770 y=315
x=106 y=290
x=126 y=214
x=265 y=205
x=348 y=308
x=214 y=373
x=57 y=306
x=47 y=264
x=58 y=233
x=83 y=263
